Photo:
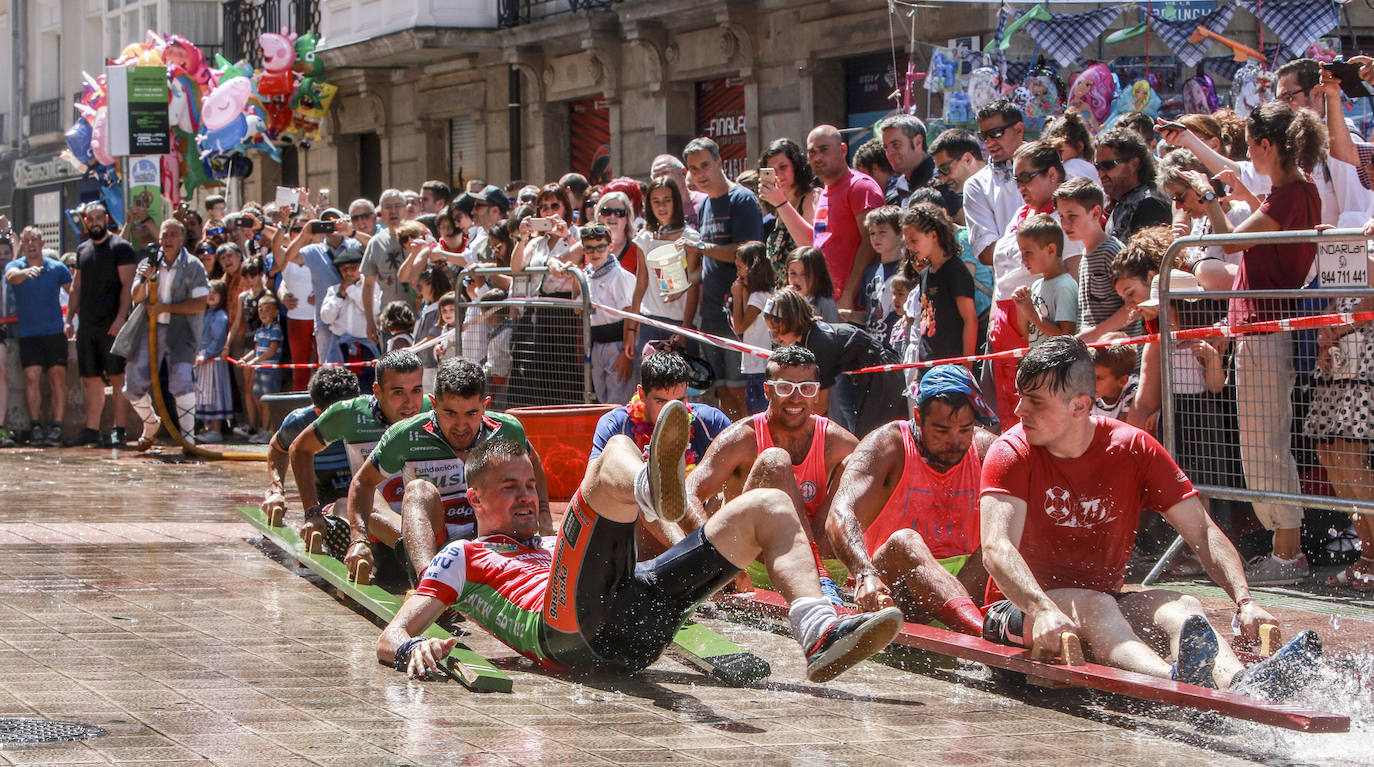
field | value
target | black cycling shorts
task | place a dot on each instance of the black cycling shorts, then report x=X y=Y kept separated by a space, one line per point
x=43 y=351
x=93 y=356
x=605 y=609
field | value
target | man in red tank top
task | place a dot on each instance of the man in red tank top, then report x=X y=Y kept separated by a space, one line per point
x=907 y=502
x=1062 y=493
x=785 y=447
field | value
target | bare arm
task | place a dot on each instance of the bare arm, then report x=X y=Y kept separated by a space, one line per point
x=302 y=459
x=1148 y=393
x=1003 y=519
x=369 y=288
x=731 y=451
x=411 y=620
x=126 y=302
x=862 y=258
x=868 y=479
x=1218 y=557
x=74 y=302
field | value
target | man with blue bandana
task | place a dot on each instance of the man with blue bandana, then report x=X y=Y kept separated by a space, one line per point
x=906 y=510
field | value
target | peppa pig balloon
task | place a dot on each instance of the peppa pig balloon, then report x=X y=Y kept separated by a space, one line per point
x=278 y=56
x=226 y=137
x=225 y=103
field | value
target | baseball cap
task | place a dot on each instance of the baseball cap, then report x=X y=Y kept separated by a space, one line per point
x=952 y=379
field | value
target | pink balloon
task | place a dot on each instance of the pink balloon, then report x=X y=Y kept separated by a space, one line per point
x=100 y=138
x=225 y=102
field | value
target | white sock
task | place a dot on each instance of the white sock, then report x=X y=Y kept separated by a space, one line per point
x=810 y=617
x=186 y=412
x=644 y=495
x=143 y=406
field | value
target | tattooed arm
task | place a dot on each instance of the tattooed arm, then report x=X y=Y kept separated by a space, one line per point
x=869 y=476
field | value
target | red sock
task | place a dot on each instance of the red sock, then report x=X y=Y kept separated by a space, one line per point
x=961 y=614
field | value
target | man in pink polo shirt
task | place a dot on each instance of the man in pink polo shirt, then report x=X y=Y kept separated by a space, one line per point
x=839 y=226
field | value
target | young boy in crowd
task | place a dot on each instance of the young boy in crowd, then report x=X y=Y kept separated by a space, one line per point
x=399 y=321
x=1049 y=307
x=1114 y=367
x=899 y=330
x=1079 y=202
x=267 y=343
x=249 y=323
x=500 y=327
x=614 y=358
x=884 y=225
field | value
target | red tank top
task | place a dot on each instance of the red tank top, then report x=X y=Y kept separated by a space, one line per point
x=810 y=474
x=941 y=506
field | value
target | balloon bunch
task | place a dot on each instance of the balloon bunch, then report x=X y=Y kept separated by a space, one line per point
x=218 y=113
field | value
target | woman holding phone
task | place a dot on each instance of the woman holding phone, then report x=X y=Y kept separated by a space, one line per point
x=787 y=184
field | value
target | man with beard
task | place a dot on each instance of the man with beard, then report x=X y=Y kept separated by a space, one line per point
x=1128 y=177
x=907 y=503
x=100 y=296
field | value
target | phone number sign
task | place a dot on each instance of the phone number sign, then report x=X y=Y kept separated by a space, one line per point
x=1343 y=264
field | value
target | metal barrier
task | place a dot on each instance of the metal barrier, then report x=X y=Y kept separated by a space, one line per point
x=548 y=340
x=1250 y=442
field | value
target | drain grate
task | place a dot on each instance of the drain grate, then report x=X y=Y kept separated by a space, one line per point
x=24 y=731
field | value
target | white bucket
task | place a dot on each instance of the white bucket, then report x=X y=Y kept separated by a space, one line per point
x=669 y=268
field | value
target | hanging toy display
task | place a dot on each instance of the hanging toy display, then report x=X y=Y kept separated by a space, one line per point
x=1090 y=95
x=1041 y=97
x=944 y=71
x=983 y=88
x=1139 y=97
x=1250 y=87
x=957 y=109
x=1200 y=96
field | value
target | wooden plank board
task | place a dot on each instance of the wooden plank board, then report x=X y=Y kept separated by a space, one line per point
x=1090 y=675
x=466 y=665
x=712 y=654
x=694 y=645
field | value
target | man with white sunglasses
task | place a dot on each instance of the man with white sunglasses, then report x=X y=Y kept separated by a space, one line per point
x=786 y=447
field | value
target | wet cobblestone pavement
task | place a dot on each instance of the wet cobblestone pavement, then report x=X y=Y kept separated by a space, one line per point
x=132 y=599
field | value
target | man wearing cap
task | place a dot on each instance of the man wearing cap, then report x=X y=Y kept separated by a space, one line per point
x=906 y=506
x=747 y=456
x=317 y=251
x=485 y=209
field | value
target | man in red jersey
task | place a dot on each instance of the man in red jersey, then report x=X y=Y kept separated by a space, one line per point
x=1061 y=498
x=907 y=504
x=587 y=603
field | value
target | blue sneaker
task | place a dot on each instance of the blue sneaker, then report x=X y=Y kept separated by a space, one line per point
x=1282 y=674
x=850 y=640
x=1197 y=653
x=831 y=591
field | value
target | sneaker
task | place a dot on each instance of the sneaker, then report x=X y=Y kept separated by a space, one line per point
x=1271 y=571
x=1282 y=674
x=850 y=640
x=261 y=438
x=85 y=437
x=36 y=435
x=6 y=439
x=54 y=437
x=116 y=438
x=210 y=437
x=244 y=432
x=667 y=469
x=1197 y=653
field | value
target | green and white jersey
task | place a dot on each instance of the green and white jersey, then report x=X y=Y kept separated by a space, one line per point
x=360 y=424
x=416 y=449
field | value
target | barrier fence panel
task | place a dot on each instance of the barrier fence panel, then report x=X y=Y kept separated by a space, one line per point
x=1273 y=418
x=547 y=337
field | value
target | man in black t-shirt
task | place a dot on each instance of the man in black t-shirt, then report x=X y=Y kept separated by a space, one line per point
x=105 y=265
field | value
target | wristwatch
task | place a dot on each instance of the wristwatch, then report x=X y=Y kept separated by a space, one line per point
x=1208 y=195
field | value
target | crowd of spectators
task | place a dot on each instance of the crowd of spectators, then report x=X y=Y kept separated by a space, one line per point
x=927 y=247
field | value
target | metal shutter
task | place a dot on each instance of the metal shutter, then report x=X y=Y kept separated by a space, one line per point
x=463 y=159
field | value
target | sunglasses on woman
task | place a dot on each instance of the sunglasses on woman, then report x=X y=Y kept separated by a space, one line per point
x=614 y=212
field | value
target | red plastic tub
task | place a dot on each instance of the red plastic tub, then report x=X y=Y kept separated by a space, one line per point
x=562 y=435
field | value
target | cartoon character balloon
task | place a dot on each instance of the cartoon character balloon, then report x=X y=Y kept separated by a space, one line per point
x=1090 y=94
x=278 y=56
x=226 y=102
x=100 y=138
x=1200 y=96
x=1140 y=97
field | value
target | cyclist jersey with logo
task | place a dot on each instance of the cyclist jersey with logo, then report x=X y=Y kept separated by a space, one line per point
x=359 y=424
x=500 y=583
x=416 y=449
x=940 y=505
x=810 y=473
x=331 y=463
